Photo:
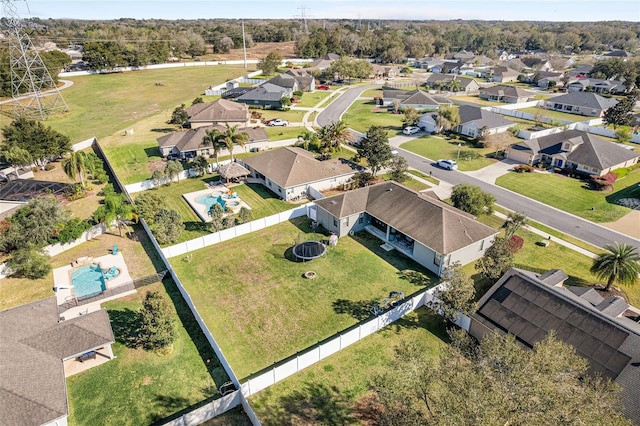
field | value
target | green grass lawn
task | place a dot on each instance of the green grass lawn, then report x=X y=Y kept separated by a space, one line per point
x=100 y=105
x=436 y=148
x=261 y=310
x=329 y=391
x=311 y=99
x=571 y=195
x=293 y=116
x=141 y=387
x=410 y=182
x=424 y=176
x=282 y=133
x=555 y=114
x=360 y=117
x=262 y=202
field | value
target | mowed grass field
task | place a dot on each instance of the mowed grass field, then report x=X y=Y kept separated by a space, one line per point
x=436 y=148
x=261 y=309
x=334 y=390
x=364 y=114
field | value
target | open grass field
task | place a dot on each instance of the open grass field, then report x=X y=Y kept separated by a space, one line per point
x=360 y=116
x=436 y=148
x=101 y=105
x=555 y=114
x=141 y=387
x=329 y=392
x=262 y=202
x=139 y=255
x=572 y=195
x=292 y=116
x=311 y=99
x=261 y=309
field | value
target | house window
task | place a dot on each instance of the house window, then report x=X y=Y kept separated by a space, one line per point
x=335 y=222
x=437 y=258
x=566 y=146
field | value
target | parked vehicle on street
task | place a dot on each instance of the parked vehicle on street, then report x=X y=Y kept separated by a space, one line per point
x=278 y=122
x=448 y=164
x=410 y=130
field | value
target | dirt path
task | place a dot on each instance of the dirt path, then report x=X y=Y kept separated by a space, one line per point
x=628 y=224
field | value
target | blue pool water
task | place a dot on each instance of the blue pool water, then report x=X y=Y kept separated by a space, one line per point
x=89 y=280
x=210 y=200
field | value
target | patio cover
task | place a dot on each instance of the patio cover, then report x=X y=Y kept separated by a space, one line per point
x=233 y=171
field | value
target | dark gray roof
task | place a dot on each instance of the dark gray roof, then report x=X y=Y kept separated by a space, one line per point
x=266 y=92
x=433 y=223
x=418 y=97
x=480 y=117
x=436 y=78
x=585 y=100
x=33 y=344
x=191 y=140
x=587 y=149
x=504 y=90
x=522 y=304
x=284 y=80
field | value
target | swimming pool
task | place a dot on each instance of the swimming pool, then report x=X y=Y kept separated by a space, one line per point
x=89 y=280
x=209 y=200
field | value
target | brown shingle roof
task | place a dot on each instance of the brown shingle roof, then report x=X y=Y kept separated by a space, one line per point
x=433 y=223
x=292 y=166
x=191 y=140
x=221 y=110
x=32 y=346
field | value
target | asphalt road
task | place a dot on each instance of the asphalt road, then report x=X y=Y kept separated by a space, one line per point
x=562 y=221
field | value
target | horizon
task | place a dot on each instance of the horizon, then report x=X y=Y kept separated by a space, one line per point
x=413 y=10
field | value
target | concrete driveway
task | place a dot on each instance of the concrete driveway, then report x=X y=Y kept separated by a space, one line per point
x=490 y=173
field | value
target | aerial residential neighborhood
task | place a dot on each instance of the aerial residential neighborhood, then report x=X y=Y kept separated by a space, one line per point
x=264 y=216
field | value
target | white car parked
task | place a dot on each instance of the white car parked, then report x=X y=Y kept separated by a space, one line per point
x=278 y=122
x=410 y=130
x=448 y=164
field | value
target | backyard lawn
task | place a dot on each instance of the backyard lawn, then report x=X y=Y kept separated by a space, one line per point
x=571 y=195
x=329 y=392
x=262 y=202
x=282 y=133
x=360 y=116
x=436 y=148
x=141 y=387
x=261 y=310
x=555 y=114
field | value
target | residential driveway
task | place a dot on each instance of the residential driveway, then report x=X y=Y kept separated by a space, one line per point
x=490 y=173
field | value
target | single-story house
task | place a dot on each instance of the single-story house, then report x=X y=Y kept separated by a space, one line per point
x=290 y=171
x=581 y=103
x=384 y=71
x=464 y=55
x=437 y=81
x=187 y=144
x=597 y=85
x=38 y=350
x=538 y=64
x=324 y=62
x=545 y=79
x=219 y=112
x=417 y=99
x=530 y=305
x=427 y=230
x=285 y=80
x=306 y=81
x=504 y=75
x=267 y=95
x=427 y=122
x=473 y=119
x=574 y=150
x=515 y=64
x=507 y=94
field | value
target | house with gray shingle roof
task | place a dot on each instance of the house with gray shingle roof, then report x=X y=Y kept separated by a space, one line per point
x=438 y=81
x=597 y=85
x=581 y=103
x=219 y=112
x=188 y=143
x=427 y=230
x=289 y=172
x=503 y=93
x=473 y=120
x=530 y=305
x=504 y=75
x=266 y=95
x=417 y=99
x=37 y=350
x=574 y=150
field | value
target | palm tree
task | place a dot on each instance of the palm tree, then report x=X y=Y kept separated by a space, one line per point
x=213 y=138
x=307 y=137
x=77 y=164
x=334 y=135
x=231 y=137
x=621 y=263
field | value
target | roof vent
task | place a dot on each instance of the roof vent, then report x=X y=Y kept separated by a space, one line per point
x=389 y=189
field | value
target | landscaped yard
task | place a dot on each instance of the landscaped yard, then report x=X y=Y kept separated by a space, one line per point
x=311 y=99
x=436 y=148
x=571 y=195
x=259 y=307
x=142 y=387
x=282 y=133
x=262 y=202
x=360 y=117
x=555 y=114
x=410 y=182
x=329 y=391
x=292 y=116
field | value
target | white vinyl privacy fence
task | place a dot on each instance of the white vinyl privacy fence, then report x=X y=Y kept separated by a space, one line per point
x=236 y=231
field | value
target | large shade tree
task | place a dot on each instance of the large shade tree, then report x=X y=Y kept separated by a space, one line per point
x=375 y=148
x=43 y=143
x=620 y=263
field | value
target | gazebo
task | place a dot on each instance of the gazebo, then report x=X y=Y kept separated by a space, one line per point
x=233 y=172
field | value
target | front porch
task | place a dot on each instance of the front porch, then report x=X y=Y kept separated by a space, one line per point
x=397 y=240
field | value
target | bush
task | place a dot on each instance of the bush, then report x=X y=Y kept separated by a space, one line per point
x=515 y=243
x=298 y=93
x=621 y=172
x=72 y=230
x=523 y=168
x=157 y=328
x=467 y=155
x=29 y=263
x=49 y=167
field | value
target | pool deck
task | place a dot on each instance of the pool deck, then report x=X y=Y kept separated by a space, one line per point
x=200 y=209
x=62 y=275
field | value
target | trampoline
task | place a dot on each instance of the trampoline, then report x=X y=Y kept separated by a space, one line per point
x=309 y=250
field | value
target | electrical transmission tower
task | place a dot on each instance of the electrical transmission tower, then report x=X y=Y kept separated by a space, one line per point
x=33 y=90
x=303 y=18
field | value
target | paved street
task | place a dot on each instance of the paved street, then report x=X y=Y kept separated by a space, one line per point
x=562 y=221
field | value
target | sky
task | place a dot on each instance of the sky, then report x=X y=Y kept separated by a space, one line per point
x=504 y=10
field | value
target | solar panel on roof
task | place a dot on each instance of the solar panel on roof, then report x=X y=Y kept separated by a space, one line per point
x=576 y=317
x=528 y=333
x=589 y=324
x=589 y=345
x=489 y=308
x=518 y=325
x=602 y=330
x=553 y=323
x=510 y=301
x=540 y=335
x=618 y=362
x=604 y=353
x=616 y=337
x=576 y=338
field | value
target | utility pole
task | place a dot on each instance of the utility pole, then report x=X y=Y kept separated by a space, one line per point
x=33 y=90
x=244 y=46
